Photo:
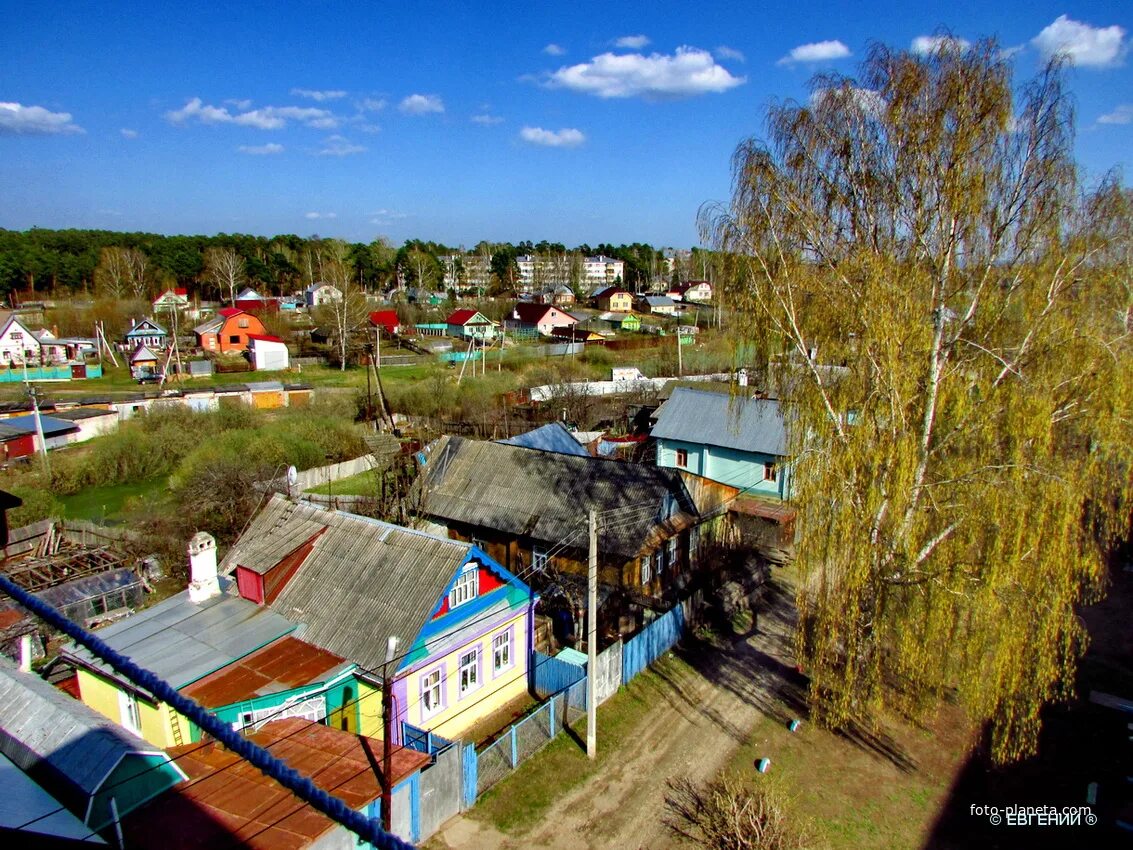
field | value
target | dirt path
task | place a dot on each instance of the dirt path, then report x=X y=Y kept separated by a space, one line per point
x=698 y=721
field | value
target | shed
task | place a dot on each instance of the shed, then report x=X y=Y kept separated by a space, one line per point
x=268 y=353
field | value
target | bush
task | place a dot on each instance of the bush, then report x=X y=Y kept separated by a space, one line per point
x=38 y=504
x=725 y=815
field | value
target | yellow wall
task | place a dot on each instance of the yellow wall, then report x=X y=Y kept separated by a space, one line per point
x=460 y=714
x=101 y=694
x=370 y=710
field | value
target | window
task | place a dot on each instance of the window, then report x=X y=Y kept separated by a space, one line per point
x=538 y=557
x=682 y=458
x=501 y=652
x=469 y=672
x=672 y=558
x=235 y=339
x=247 y=718
x=431 y=694
x=128 y=711
x=465 y=589
x=770 y=472
x=646 y=569
x=243 y=323
x=16 y=335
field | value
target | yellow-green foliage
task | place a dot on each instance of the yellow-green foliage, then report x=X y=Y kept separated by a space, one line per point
x=962 y=438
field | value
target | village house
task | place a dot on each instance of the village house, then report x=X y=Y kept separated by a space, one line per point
x=18 y=345
x=320 y=293
x=543 y=317
x=560 y=295
x=696 y=291
x=462 y=622
x=613 y=299
x=736 y=440
x=267 y=353
x=147 y=332
x=228 y=331
x=386 y=320
x=552 y=437
x=660 y=305
x=528 y=509
x=470 y=324
x=145 y=363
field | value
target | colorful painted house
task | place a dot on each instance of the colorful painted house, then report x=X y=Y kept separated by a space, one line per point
x=462 y=622
x=543 y=317
x=228 y=331
x=18 y=344
x=75 y=754
x=144 y=363
x=738 y=441
x=613 y=299
x=149 y=333
x=470 y=324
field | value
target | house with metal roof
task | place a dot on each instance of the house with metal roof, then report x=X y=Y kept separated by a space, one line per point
x=528 y=509
x=659 y=305
x=147 y=333
x=552 y=437
x=462 y=621
x=228 y=331
x=545 y=318
x=181 y=639
x=736 y=440
x=89 y=764
x=470 y=324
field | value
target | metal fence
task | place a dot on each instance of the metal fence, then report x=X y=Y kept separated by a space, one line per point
x=525 y=738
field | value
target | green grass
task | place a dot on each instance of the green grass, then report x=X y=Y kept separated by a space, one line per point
x=519 y=801
x=362 y=484
x=110 y=502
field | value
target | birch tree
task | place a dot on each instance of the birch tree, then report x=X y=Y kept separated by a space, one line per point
x=927 y=287
x=225 y=270
x=347 y=313
x=122 y=273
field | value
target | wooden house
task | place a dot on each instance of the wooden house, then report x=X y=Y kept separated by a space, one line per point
x=543 y=317
x=228 y=331
x=19 y=346
x=613 y=299
x=149 y=333
x=470 y=324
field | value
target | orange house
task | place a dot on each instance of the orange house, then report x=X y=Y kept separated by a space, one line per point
x=228 y=331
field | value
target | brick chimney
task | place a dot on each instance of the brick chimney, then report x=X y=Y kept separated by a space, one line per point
x=203 y=583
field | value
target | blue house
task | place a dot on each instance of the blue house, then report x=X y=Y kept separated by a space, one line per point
x=149 y=333
x=741 y=442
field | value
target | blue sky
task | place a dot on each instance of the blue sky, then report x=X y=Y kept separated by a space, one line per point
x=572 y=122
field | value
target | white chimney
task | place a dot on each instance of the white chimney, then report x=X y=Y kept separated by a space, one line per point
x=25 y=653
x=203 y=583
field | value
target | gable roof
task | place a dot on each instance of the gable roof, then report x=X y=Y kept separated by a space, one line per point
x=545 y=496
x=526 y=311
x=659 y=301
x=52 y=427
x=463 y=317
x=553 y=437
x=14 y=320
x=385 y=318
x=181 y=641
x=720 y=419
x=142 y=353
x=362 y=582
x=146 y=327
x=265 y=338
x=228 y=312
x=53 y=735
x=211 y=326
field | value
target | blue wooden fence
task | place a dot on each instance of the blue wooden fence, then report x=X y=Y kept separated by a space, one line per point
x=553 y=675
x=652 y=642
x=423 y=741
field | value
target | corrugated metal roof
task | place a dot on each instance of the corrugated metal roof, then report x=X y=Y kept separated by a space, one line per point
x=55 y=736
x=180 y=640
x=363 y=581
x=229 y=803
x=28 y=806
x=287 y=663
x=553 y=437
x=52 y=427
x=545 y=496
x=717 y=419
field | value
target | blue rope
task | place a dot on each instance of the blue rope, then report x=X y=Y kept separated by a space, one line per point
x=365 y=828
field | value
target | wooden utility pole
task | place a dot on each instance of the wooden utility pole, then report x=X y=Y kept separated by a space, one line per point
x=680 y=355
x=387 y=738
x=592 y=641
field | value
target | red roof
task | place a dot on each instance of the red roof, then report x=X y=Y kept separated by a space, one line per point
x=386 y=318
x=460 y=317
x=229 y=803
x=180 y=290
x=229 y=312
x=264 y=338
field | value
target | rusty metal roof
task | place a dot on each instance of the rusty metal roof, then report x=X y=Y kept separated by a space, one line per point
x=228 y=803
x=754 y=506
x=287 y=663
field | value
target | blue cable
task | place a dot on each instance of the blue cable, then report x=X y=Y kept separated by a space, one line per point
x=365 y=828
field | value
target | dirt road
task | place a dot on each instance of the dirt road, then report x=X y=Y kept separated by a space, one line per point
x=698 y=720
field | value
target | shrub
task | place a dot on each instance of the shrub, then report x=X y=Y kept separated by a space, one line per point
x=725 y=815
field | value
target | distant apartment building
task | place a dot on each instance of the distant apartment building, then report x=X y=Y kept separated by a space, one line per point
x=602 y=269
x=466 y=271
x=541 y=271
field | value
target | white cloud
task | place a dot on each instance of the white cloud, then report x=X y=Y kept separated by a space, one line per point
x=486 y=119
x=313 y=216
x=568 y=137
x=240 y=103
x=1008 y=53
x=19 y=120
x=319 y=95
x=127 y=133
x=923 y=45
x=264 y=118
x=689 y=71
x=339 y=146
x=1097 y=47
x=372 y=104
x=725 y=52
x=816 y=51
x=632 y=42
x=554 y=50
x=421 y=104
x=261 y=150
x=1122 y=115
x=387 y=216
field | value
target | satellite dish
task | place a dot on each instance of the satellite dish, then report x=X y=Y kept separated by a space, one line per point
x=292 y=476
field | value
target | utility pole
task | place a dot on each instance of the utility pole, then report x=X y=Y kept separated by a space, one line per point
x=387 y=738
x=680 y=355
x=34 y=393
x=592 y=641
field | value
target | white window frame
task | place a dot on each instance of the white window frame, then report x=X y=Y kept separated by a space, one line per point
x=470 y=664
x=131 y=717
x=673 y=555
x=465 y=589
x=646 y=569
x=437 y=687
x=538 y=557
x=502 y=651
